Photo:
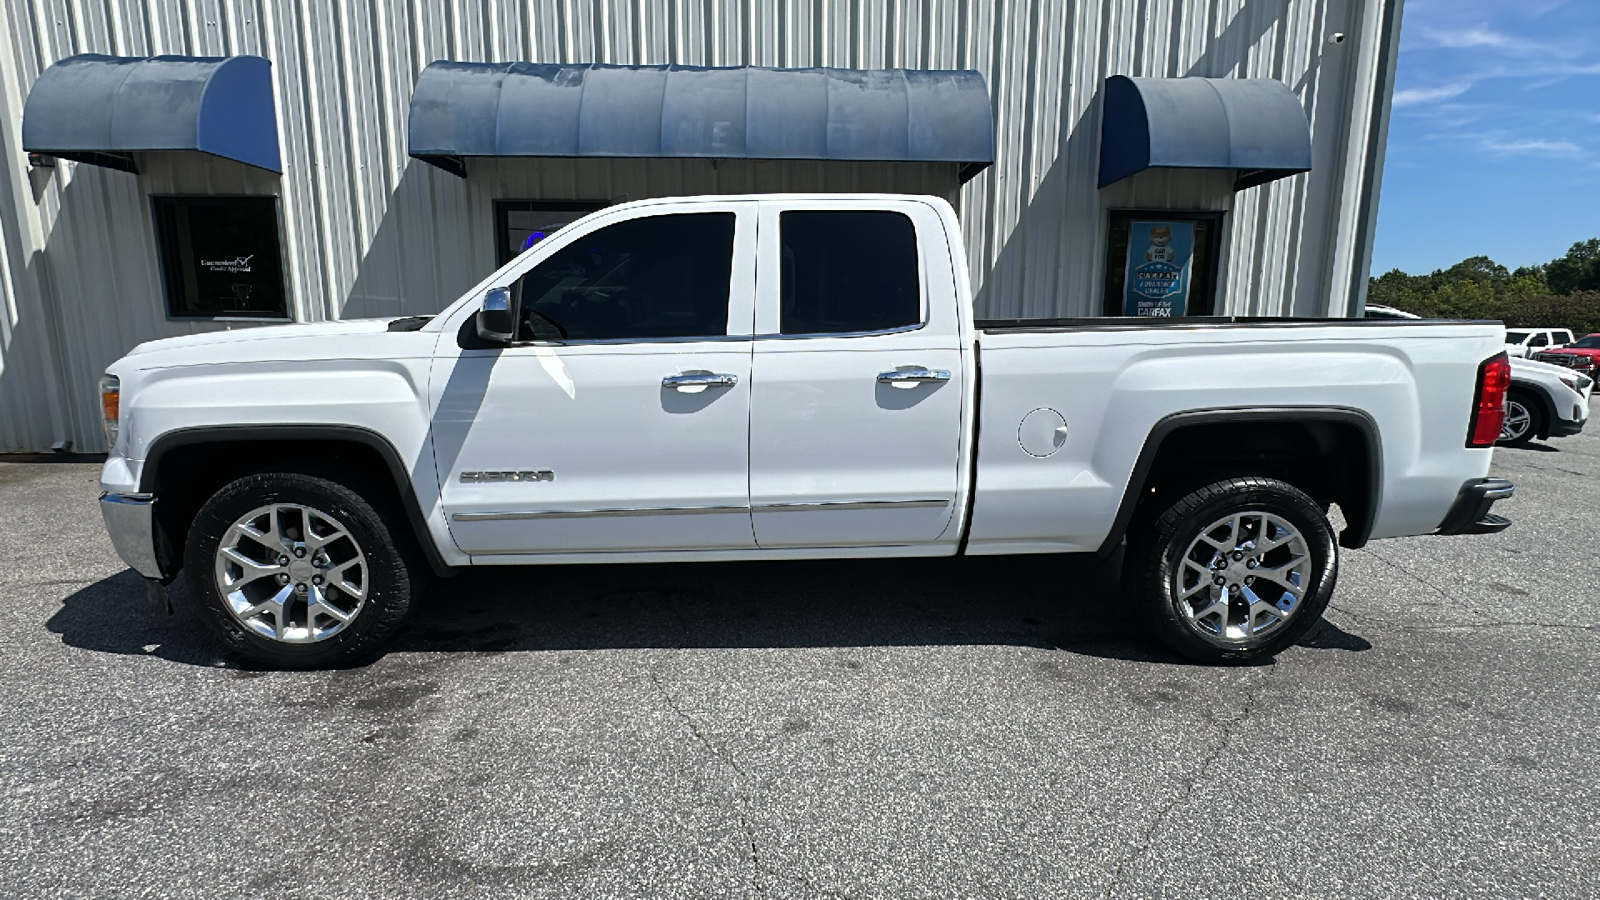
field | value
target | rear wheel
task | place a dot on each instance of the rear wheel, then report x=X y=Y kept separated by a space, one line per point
x=1235 y=571
x=1524 y=421
x=298 y=571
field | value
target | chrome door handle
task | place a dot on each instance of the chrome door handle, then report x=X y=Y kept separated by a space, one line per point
x=694 y=382
x=911 y=376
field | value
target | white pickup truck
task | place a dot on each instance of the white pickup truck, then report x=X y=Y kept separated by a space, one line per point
x=783 y=377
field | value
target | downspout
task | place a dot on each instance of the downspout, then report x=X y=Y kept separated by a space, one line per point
x=1377 y=147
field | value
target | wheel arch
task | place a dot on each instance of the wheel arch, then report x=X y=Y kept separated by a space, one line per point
x=1354 y=479
x=269 y=447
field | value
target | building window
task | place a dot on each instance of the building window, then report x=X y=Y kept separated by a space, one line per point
x=848 y=271
x=1162 y=263
x=519 y=224
x=220 y=257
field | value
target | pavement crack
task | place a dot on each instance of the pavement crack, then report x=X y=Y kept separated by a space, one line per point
x=1406 y=572
x=1473 y=626
x=1225 y=736
x=741 y=791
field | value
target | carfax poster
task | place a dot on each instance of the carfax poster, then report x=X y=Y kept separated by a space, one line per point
x=1160 y=264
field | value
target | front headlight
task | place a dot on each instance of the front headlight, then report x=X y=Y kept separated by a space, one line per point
x=110 y=407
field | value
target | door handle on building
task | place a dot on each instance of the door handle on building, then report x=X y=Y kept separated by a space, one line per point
x=911 y=376
x=695 y=382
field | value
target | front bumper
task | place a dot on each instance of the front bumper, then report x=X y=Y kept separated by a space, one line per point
x=131 y=522
x=1567 y=427
x=1470 y=513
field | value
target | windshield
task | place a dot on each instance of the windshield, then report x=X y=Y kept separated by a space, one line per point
x=1592 y=342
x=1516 y=337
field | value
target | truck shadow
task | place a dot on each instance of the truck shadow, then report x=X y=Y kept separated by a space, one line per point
x=1066 y=603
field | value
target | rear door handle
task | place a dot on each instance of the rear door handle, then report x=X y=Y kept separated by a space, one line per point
x=911 y=376
x=695 y=382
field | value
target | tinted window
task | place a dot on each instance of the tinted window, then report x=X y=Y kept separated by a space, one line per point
x=848 y=271
x=657 y=277
x=1589 y=343
x=1516 y=337
x=1539 y=340
x=1563 y=337
x=219 y=257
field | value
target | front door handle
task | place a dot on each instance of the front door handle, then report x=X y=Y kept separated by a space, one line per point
x=695 y=382
x=911 y=376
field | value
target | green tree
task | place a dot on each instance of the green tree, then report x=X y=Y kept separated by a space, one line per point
x=1564 y=293
x=1579 y=270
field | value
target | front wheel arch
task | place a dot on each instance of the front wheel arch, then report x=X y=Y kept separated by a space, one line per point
x=183 y=468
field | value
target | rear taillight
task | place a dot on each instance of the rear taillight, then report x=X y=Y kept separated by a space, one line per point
x=1489 y=403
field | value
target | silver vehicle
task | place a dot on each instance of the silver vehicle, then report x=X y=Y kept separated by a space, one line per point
x=1545 y=401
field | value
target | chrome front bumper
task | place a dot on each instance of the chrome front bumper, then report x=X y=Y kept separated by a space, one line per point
x=131 y=522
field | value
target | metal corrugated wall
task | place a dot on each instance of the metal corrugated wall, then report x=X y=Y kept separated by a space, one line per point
x=369 y=232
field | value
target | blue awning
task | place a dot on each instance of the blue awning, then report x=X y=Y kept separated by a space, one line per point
x=590 y=110
x=101 y=109
x=1255 y=126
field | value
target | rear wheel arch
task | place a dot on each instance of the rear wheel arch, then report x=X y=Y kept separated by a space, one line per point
x=211 y=457
x=1334 y=454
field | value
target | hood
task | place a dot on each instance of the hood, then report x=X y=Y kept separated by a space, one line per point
x=264 y=333
x=1533 y=365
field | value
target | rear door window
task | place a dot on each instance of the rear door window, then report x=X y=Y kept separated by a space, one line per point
x=848 y=271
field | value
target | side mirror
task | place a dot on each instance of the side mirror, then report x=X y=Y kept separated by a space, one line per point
x=497 y=318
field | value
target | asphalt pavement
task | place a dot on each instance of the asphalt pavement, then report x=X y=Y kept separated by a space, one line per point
x=943 y=728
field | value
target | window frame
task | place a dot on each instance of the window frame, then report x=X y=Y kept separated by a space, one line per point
x=503 y=208
x=923 y=313
x=1216 y=219
x=171 y=294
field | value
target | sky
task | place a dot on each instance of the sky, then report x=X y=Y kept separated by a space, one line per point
x=1494 y=148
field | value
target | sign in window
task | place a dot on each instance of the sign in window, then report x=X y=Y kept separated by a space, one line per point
x=1162 y=264
x=220 y=257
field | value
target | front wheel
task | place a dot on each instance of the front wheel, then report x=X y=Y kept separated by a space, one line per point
x=1523 y=421
x=1235 y=571
x=298 y=572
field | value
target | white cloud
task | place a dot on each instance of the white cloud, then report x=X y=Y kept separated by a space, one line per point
x=1414 y=96
x=1535 y=147
x=1468 y=38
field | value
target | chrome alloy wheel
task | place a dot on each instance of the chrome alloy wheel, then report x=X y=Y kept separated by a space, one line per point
x=291 y=573
x=1242 y=578
x=1518 y=421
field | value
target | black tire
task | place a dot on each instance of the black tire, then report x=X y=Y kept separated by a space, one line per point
x=1535 y=413
x=1155 y=562
x=392 y=578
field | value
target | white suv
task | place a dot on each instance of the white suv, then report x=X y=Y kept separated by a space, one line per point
x=1524 y=342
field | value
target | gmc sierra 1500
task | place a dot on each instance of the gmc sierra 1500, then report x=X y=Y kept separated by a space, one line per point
x=778 y=377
